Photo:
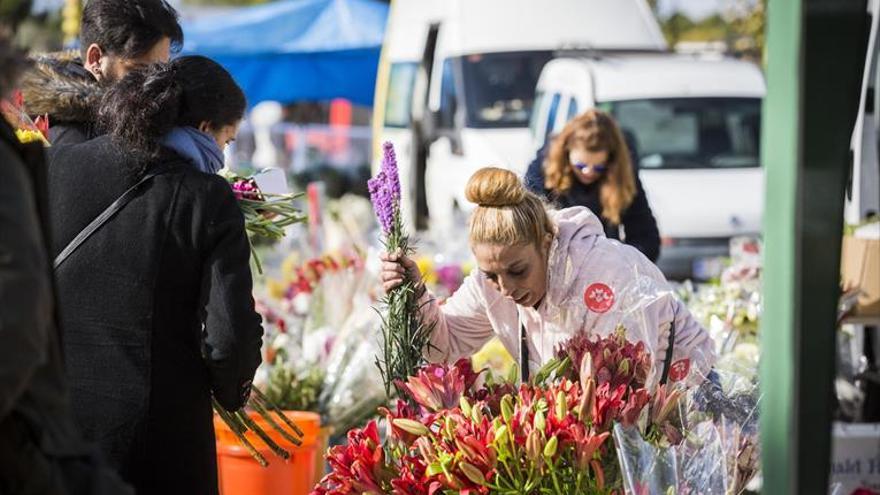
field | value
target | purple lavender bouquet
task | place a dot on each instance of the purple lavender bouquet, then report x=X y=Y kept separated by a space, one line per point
x=404 y=335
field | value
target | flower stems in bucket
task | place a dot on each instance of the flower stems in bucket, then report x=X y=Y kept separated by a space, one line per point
x=238 y=429
x=260 y=404
x=240 y=422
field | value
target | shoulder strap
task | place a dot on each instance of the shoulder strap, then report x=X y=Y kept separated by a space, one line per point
x=105 y=215
x=667 y=363
x=523 y=353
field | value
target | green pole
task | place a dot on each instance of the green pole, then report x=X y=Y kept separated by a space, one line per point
x=815 y=61
x=780 y=154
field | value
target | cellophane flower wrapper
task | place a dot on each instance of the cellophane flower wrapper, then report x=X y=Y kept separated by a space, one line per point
x=26 y=129
x=719 y=451
x=333 y=298
x=353 y=387
x=334 y=335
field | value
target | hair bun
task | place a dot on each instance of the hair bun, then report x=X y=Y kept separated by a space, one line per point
x=495 y=187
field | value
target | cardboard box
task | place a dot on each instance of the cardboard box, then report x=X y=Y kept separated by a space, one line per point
x=860 y=268
x=855 y=457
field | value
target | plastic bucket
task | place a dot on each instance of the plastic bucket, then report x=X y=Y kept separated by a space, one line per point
x=241 y=474
x=321 y=450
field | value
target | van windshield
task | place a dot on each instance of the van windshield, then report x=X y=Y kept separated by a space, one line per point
x=682 y=133
x=500 y=87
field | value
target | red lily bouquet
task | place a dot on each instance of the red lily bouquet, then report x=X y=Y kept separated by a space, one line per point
x=551 y=435
x=548 y=436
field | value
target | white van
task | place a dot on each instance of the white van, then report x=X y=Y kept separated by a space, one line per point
x=695 y=124
x=456 y=84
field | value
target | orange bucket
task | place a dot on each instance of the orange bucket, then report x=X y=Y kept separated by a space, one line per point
x=321 y=450
x=241 y=474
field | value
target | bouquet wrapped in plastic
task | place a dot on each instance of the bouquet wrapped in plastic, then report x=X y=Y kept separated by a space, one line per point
x=26 y=130
x=716 y=448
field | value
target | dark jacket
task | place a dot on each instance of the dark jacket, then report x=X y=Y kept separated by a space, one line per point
x=638 y=222
x=157 y=312
x=59 y=86
x=40 y=450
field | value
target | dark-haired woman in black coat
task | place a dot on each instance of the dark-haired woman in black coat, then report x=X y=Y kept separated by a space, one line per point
x=156 y=306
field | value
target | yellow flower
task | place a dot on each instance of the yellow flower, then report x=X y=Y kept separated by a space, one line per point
x=426 y=268
x=28 y=136
x=494 y=356
x=466 y=267
x=276 y=288
x=289 y=266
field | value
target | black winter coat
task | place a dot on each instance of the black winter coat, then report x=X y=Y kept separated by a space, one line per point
x=157 y=312
x=638 y=221
x=40 y=449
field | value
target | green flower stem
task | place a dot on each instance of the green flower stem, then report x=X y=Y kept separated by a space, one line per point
x=555 y=479
x=238 y=431
x=265 y=415
x=272 y=407
x=280 y=452
x=255 y=257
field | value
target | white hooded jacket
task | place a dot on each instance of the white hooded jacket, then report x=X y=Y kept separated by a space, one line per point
x=593 y=284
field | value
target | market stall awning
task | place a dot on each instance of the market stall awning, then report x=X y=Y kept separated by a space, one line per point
x=296 y=49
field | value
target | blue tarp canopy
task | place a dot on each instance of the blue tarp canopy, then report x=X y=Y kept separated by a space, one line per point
x=292 y=50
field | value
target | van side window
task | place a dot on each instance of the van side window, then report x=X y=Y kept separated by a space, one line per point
x=551 y=114
x=448 y=96
x=398 y=101
x=572 y=110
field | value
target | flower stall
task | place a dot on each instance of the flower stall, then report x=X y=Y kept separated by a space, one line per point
x=596 y=419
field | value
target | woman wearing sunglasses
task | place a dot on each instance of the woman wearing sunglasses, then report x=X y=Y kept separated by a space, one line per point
x=589 y=164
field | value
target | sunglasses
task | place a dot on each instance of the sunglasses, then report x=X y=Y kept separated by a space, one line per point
x=595 y=167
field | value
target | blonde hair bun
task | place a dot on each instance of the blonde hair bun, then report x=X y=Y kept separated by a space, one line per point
x=495 y=187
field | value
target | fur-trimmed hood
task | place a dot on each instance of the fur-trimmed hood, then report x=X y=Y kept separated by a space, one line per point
x=57 y=84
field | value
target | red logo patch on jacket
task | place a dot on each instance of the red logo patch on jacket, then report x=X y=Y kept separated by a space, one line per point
x=599 y=297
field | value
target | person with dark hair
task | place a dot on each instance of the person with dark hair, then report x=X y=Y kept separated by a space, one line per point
x=590 y=164
x=156 y=302
x=40 y=449
x=116 y=37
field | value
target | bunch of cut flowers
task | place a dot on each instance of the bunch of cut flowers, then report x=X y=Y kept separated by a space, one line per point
x=547 y=436
x=26 y=130
x=404 y=335
x=266 y=214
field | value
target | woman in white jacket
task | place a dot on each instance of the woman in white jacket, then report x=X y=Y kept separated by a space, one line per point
x=544 y=275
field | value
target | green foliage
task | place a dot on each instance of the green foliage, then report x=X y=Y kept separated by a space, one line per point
x=292 y=391
x=742 y=28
